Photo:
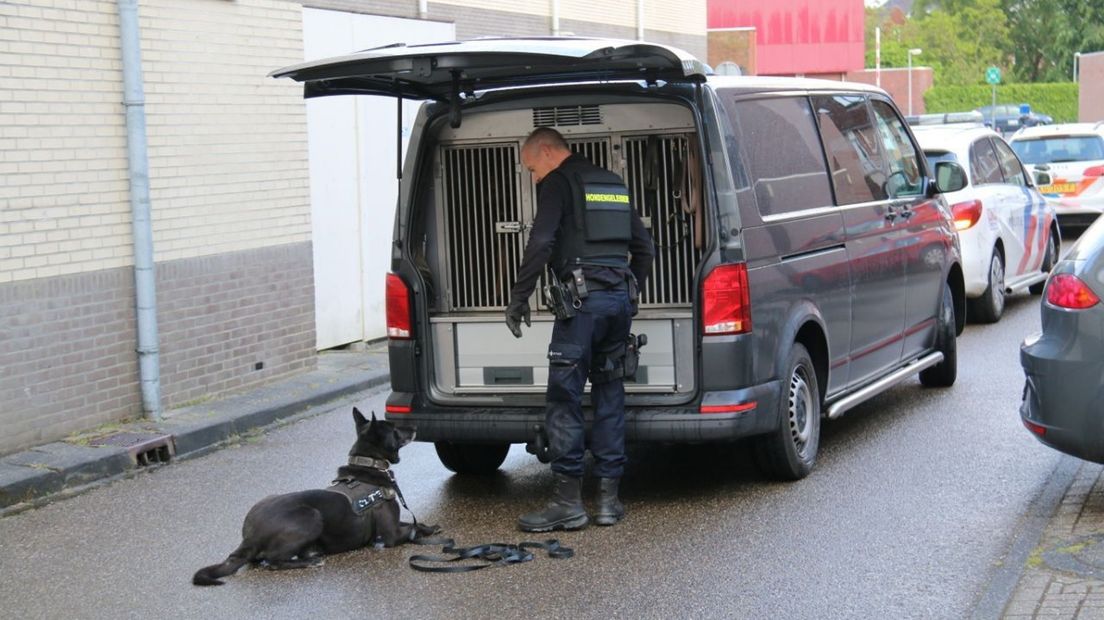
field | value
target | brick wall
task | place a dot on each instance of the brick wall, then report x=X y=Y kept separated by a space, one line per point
x=227 y=143
x=222 y=315
x=230 y=208
x=733 y=45
x=1090 y=107
x=67 y=360
x=63 y=163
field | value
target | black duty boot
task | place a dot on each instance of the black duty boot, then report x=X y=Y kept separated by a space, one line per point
x=565 y=511
x=610 y=509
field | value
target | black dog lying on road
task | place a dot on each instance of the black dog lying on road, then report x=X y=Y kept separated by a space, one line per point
x=295 y=529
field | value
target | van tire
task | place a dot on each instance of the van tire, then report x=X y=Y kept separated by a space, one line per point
x=789 y=452
x=944 y=373
x=990 y=306
x=1049 y=259
x=472 y=458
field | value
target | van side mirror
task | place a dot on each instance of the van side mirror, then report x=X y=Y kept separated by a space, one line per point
x=1042 y=177
x=949 y=177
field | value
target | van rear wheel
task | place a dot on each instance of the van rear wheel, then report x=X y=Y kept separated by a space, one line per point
x=789 y=452
x=472 y=458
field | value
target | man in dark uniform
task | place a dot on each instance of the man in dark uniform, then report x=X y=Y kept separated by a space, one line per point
x=584 y=221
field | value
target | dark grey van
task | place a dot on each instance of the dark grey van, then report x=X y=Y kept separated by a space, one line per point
x=805 y=257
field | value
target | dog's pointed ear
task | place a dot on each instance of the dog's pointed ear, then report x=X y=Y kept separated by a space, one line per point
x=359 y=418
x=373 y=415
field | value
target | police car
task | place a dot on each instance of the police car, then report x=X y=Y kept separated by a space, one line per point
x=1007 y=230
x=1072 y=155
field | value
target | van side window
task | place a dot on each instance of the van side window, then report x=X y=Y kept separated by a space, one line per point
x=902 y=166
x=1010 y=164
x=984 y=167
x=778 y=138
x=851 y=143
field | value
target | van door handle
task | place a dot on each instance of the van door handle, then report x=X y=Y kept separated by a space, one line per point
x=891 y=215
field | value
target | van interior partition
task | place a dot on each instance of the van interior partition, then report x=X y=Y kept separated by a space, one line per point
x=483 y=205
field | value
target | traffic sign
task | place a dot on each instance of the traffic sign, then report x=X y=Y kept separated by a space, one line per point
x=992 y=75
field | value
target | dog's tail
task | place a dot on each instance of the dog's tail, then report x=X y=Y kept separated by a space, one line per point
x=210 y=575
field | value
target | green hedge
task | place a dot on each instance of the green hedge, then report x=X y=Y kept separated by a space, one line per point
x=1059 y=100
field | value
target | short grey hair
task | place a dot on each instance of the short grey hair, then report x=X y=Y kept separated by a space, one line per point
x=546 y=136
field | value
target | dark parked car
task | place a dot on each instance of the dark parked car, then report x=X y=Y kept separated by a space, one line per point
x=806 y=257
x=1008 y=118
x=1063 y=403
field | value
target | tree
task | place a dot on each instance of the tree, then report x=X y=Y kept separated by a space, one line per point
x=1046 y=33
x=960 y=38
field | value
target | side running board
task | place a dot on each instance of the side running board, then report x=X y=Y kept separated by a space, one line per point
x=837 y=408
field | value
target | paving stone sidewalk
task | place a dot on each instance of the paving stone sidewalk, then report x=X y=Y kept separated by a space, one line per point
x=1064 y=575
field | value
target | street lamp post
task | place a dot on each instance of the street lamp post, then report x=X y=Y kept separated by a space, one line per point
x=912 y=52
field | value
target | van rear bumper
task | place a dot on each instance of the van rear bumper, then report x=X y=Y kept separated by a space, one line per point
x=524 y=424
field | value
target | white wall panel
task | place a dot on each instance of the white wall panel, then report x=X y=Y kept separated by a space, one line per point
x=352 y=143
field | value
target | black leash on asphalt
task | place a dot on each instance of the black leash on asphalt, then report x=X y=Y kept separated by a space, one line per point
x=495 y=554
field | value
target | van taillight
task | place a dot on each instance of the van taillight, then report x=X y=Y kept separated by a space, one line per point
x=1068 y=291
x=398 y=308
x=966 y=214
x=726 y=305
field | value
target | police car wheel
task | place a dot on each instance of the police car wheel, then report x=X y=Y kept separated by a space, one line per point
x=1049 y=259
x=990 y=306
x=789 y=452
x=472 y=458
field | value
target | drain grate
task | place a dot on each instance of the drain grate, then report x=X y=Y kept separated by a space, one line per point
x=145 y=449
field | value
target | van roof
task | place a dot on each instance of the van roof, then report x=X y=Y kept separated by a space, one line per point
x=770 y=83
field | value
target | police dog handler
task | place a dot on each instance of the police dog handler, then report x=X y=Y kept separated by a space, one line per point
x=585 y=230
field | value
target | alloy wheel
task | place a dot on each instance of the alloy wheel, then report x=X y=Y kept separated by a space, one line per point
x=996 y=282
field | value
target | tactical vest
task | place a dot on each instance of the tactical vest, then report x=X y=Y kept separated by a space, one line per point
x=602 y=218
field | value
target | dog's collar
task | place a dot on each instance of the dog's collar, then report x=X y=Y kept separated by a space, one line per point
x=369 y=462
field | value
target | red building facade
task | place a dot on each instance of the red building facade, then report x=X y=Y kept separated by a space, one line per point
x=791 y=37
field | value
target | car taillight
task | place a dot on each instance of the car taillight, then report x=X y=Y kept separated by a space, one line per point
x=966 y=214
x=1035 y=428
x=1068 y=291
x=726 y=305
x=1095 y=171
x=398 y=308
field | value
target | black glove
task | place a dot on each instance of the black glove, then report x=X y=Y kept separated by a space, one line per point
x=515 y=312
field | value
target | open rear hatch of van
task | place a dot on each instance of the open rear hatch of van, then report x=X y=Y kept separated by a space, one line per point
x=472 y=202
x=442 y=71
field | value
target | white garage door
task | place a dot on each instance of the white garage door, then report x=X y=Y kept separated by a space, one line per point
x=352 y=144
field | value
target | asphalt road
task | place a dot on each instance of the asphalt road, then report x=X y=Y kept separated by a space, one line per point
x=909 y=514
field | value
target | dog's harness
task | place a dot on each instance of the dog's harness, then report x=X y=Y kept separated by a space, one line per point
x=362 y=496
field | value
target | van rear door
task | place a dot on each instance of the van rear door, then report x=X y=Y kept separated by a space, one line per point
x=442 y=71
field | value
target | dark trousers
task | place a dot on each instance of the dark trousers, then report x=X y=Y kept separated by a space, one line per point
x=589 y=340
